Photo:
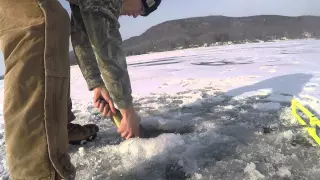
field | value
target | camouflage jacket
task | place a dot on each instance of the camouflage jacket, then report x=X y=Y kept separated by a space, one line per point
x=97 y=44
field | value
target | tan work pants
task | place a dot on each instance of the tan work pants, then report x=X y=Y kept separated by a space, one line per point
x=34 y=36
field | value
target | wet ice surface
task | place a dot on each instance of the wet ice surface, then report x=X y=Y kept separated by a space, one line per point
x=226 y=141
x=230 y=105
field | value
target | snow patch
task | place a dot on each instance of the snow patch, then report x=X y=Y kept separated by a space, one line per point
x=271 y=106
x=281 y=98
x=245 y=95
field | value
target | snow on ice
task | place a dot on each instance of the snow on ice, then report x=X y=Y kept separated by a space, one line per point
x=231 y=105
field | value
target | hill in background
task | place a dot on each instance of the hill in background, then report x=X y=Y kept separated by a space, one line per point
x=216 y=30
x=211 y=30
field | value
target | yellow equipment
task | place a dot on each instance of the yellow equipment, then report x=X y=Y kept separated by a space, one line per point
x=314 y=123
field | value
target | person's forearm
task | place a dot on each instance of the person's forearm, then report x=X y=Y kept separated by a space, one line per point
x=118 y=84
x=83 y=50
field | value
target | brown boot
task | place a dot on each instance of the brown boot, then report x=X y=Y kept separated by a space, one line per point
x=79 y=134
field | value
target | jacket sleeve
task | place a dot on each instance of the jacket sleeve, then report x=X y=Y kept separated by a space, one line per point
x=100 y=19
x=83 y=50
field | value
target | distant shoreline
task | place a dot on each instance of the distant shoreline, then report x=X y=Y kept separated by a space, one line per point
x=73 y=60
x=219 y=30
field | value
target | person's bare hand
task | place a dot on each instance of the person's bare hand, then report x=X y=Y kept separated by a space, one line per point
x=103 y=101
x=130 y=122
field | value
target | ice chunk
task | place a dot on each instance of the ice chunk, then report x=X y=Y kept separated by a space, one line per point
x=284 y=172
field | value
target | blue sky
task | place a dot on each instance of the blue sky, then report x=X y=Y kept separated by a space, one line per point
x=177 y=9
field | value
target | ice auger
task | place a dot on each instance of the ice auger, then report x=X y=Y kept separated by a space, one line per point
x=117 y=117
